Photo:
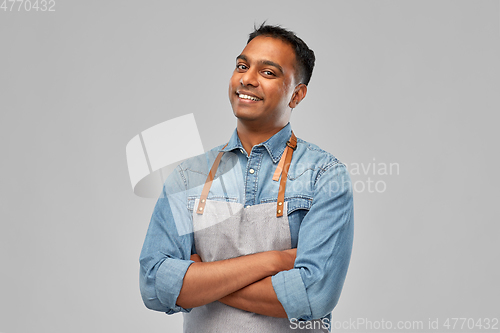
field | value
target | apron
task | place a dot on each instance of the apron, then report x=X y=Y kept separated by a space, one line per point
x=224 y=230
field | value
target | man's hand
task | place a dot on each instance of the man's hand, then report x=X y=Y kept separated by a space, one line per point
x=288 y=258
x=195 y=257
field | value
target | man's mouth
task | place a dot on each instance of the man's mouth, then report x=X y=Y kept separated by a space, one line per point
x=252 y=98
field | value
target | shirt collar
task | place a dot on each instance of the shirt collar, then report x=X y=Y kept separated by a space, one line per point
x=275 y=145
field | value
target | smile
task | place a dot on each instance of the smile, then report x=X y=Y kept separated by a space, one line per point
x=243 y=96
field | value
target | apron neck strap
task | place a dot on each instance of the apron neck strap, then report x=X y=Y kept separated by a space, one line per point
x=208 y=183
x=284 y=165
x=281 y=170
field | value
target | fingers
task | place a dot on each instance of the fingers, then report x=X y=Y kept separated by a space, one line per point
x=195 y=257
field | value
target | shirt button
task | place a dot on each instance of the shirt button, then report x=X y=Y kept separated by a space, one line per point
x=247 y=206
x=251 y=170
x=242 y=151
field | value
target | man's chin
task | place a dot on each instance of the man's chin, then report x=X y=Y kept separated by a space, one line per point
x=245 y=114
x=245 y=117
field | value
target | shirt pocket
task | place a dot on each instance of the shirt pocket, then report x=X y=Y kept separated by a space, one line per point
x=191 y=200
x=295 y=203
x=298 y=202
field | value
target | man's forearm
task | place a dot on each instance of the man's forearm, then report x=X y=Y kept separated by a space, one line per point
x=205 y=282
x=258 y=297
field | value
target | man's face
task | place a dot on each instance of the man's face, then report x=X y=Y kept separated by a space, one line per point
x=263 y=83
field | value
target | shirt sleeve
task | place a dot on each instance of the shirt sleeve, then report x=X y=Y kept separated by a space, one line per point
x=312 y=289
x=167 y=248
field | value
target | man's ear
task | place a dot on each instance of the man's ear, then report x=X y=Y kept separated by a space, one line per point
x=299 y=94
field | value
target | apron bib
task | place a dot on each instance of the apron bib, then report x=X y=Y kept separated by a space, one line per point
x=226 y=230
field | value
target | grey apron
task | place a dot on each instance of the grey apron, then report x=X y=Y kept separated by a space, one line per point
x=227 y=230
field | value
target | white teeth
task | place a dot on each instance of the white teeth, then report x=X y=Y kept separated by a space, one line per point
x=248 y=97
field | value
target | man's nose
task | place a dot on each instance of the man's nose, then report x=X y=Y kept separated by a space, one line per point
x=250 y=78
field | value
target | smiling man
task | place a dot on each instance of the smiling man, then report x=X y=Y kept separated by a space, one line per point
x=256 y=234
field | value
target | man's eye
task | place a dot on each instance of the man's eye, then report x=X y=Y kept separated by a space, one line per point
x=241 y=66
x=268 y=73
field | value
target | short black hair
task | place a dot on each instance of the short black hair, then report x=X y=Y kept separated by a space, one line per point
x=304 y=56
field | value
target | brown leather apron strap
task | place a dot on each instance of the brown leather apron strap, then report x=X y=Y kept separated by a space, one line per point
x=208 y=183
x=287 y=157
x=282 y=168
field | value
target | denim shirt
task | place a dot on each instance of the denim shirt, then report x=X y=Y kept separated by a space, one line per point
x=320 y=215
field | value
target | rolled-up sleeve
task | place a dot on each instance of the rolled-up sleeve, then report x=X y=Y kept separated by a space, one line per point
x=167 y=248
x=312 y=289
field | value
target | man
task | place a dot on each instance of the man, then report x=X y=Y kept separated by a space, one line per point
x=254 y=235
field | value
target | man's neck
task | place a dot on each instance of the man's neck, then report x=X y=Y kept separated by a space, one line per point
x=250 y=137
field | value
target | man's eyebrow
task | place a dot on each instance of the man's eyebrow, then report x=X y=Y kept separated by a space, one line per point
x=264 y=62
x=242 y=57
x=270 y=63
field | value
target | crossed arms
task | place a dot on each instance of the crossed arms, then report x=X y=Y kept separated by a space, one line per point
x=305 y=284
x=242 y=282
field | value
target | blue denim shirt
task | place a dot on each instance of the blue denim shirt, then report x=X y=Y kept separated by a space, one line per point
x=320 y=214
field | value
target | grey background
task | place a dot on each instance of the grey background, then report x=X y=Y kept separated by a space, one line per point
x=408 y=82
